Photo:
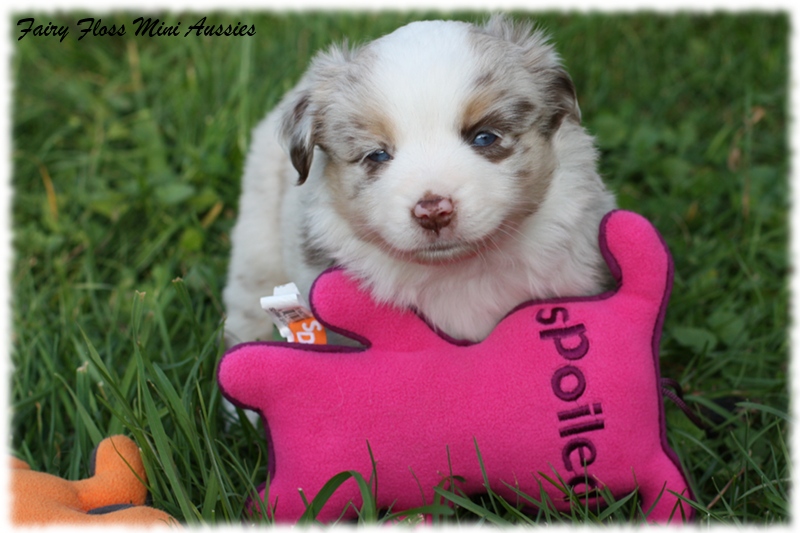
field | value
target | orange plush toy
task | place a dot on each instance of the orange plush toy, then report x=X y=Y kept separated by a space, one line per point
x=115 y=494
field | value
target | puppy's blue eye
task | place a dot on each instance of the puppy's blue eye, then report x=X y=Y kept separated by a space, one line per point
x=483 y=139
x=379 y=156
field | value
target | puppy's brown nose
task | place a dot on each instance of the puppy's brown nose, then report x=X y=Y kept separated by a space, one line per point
x=433 y=212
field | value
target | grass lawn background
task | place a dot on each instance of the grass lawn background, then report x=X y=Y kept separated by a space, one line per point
x=127 y=152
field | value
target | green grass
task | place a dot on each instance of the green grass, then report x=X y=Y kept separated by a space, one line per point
x=126 y=158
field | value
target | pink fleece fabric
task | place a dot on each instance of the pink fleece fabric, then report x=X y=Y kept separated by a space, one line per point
x=563 y=388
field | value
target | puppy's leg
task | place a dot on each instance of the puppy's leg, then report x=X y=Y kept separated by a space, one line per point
x=256 y=266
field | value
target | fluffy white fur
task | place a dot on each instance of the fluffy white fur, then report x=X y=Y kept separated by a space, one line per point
x=526 y=208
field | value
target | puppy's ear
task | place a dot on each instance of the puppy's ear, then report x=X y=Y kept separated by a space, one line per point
x=305 y=108
x=297 y=132
x=541 y=59
x=563 y=99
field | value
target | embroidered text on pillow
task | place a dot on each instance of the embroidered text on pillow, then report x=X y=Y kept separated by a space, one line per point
x=577 y=420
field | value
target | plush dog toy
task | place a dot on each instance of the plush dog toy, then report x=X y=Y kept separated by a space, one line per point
x=562 y=389
x=115 y=494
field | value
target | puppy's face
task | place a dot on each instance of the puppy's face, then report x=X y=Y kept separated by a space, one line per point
x=434 y=141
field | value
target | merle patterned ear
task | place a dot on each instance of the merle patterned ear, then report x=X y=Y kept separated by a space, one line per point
x=296 y=129
x=304 y=108
x=563 y=98
x=541 y=59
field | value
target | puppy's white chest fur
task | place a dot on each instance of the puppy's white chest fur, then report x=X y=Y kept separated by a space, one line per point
x=444 y=165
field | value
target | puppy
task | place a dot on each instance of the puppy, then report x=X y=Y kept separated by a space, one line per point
x=444 y=165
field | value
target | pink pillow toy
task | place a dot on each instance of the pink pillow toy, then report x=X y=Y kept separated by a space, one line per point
x=565 y=388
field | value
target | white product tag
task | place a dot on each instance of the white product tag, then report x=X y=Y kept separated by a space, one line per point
x=292 y=315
